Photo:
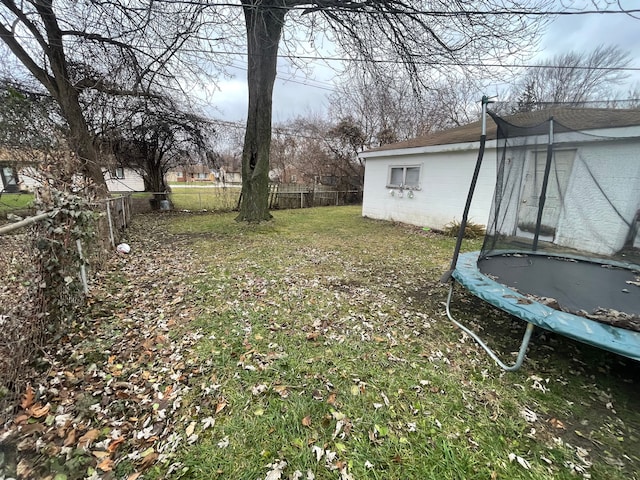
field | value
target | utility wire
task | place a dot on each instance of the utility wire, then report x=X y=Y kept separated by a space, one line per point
x=415 y=61
x=364 y=8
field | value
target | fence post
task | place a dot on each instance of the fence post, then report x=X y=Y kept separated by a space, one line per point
x=124 y=213
x=83 y=269
x=128 y=209
x=111 y=237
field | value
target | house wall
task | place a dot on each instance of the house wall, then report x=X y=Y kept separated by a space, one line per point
x=445 y=177
x=132 y=182
x=28 y=178
x=601 y=199
x=588 y=211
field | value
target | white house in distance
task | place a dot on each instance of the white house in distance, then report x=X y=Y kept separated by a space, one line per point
x=15 y=179
x=123 y=180
x=425 y=181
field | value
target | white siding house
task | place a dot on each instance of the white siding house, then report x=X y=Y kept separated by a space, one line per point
x=118 y=180
x=425 y=181
x=122 y=179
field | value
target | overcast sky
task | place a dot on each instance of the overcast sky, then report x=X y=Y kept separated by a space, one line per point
x=297 y=95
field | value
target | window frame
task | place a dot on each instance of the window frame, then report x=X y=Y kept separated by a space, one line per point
x=118 y=173
x=402 y=185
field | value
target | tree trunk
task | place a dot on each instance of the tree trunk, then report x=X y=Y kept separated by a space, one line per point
x=81 y=142
x=67 y=96
x=155 y=181
x=264 y=27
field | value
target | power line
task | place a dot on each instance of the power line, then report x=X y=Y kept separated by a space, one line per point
x=413 y=61
x=437 y=63
x=315 y=83
x=365 y=8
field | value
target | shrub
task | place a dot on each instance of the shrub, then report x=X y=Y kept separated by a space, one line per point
x=472 y=230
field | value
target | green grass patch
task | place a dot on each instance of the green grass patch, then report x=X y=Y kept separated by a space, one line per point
x=325 y=353
x=15 y=202
x=204 y=198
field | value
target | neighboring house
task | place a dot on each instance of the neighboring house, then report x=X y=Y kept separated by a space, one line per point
x=191 y=173
x=9 y=179
x=230 y=176
x=123 y=179
x=15 y=167
x=20 y=175
x=425 y=181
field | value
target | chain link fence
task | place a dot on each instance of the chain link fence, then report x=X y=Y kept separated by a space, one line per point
x=26 y=322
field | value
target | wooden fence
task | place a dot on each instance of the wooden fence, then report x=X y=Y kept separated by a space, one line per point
x=286 y=196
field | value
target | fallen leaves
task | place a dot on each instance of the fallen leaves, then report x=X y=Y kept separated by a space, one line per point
x=85 y=440
x=523 y=463
x=149 y=396
x=114 y=383
x=27 y=398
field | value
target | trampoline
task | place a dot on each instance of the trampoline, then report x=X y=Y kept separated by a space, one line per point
x=562 y=245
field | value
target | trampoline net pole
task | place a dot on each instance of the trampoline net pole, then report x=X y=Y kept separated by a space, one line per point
x=545 y=184
x=474 y=180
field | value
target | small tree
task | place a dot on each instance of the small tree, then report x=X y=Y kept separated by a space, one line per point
x=119 y=48
x=152 y=135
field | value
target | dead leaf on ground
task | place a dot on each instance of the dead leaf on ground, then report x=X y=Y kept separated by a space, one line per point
x=88 y=437
x=313 y=335
x=20 y=419
x=281 y=390
x=220 y=406
x=306 y=421
x=113 y=446
x=148 y=461
x=39 y=411
x=71 y=438
x=28 y=398
x=106 y=465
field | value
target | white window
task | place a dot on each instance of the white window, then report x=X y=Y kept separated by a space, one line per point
x=404 y=177
x=118 y=172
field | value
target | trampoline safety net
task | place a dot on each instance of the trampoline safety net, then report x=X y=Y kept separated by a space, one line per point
x=565 y=221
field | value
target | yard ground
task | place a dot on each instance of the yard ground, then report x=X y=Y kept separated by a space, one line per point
x=314 y=346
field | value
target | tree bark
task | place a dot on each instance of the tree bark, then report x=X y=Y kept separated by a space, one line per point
x=264 y=22
x=58 y=83
x=81 y=140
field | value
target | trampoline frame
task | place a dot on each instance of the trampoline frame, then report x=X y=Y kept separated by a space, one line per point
x=607 y=337
x=464 y=269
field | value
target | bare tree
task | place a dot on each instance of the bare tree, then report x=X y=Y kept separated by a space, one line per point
x=116 y=47
x=27 y=119
x=573 y=78
x=388 y=109
x=152 y=135
x=412 y=34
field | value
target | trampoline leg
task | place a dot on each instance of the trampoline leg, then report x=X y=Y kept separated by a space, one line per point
x=523 y=345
